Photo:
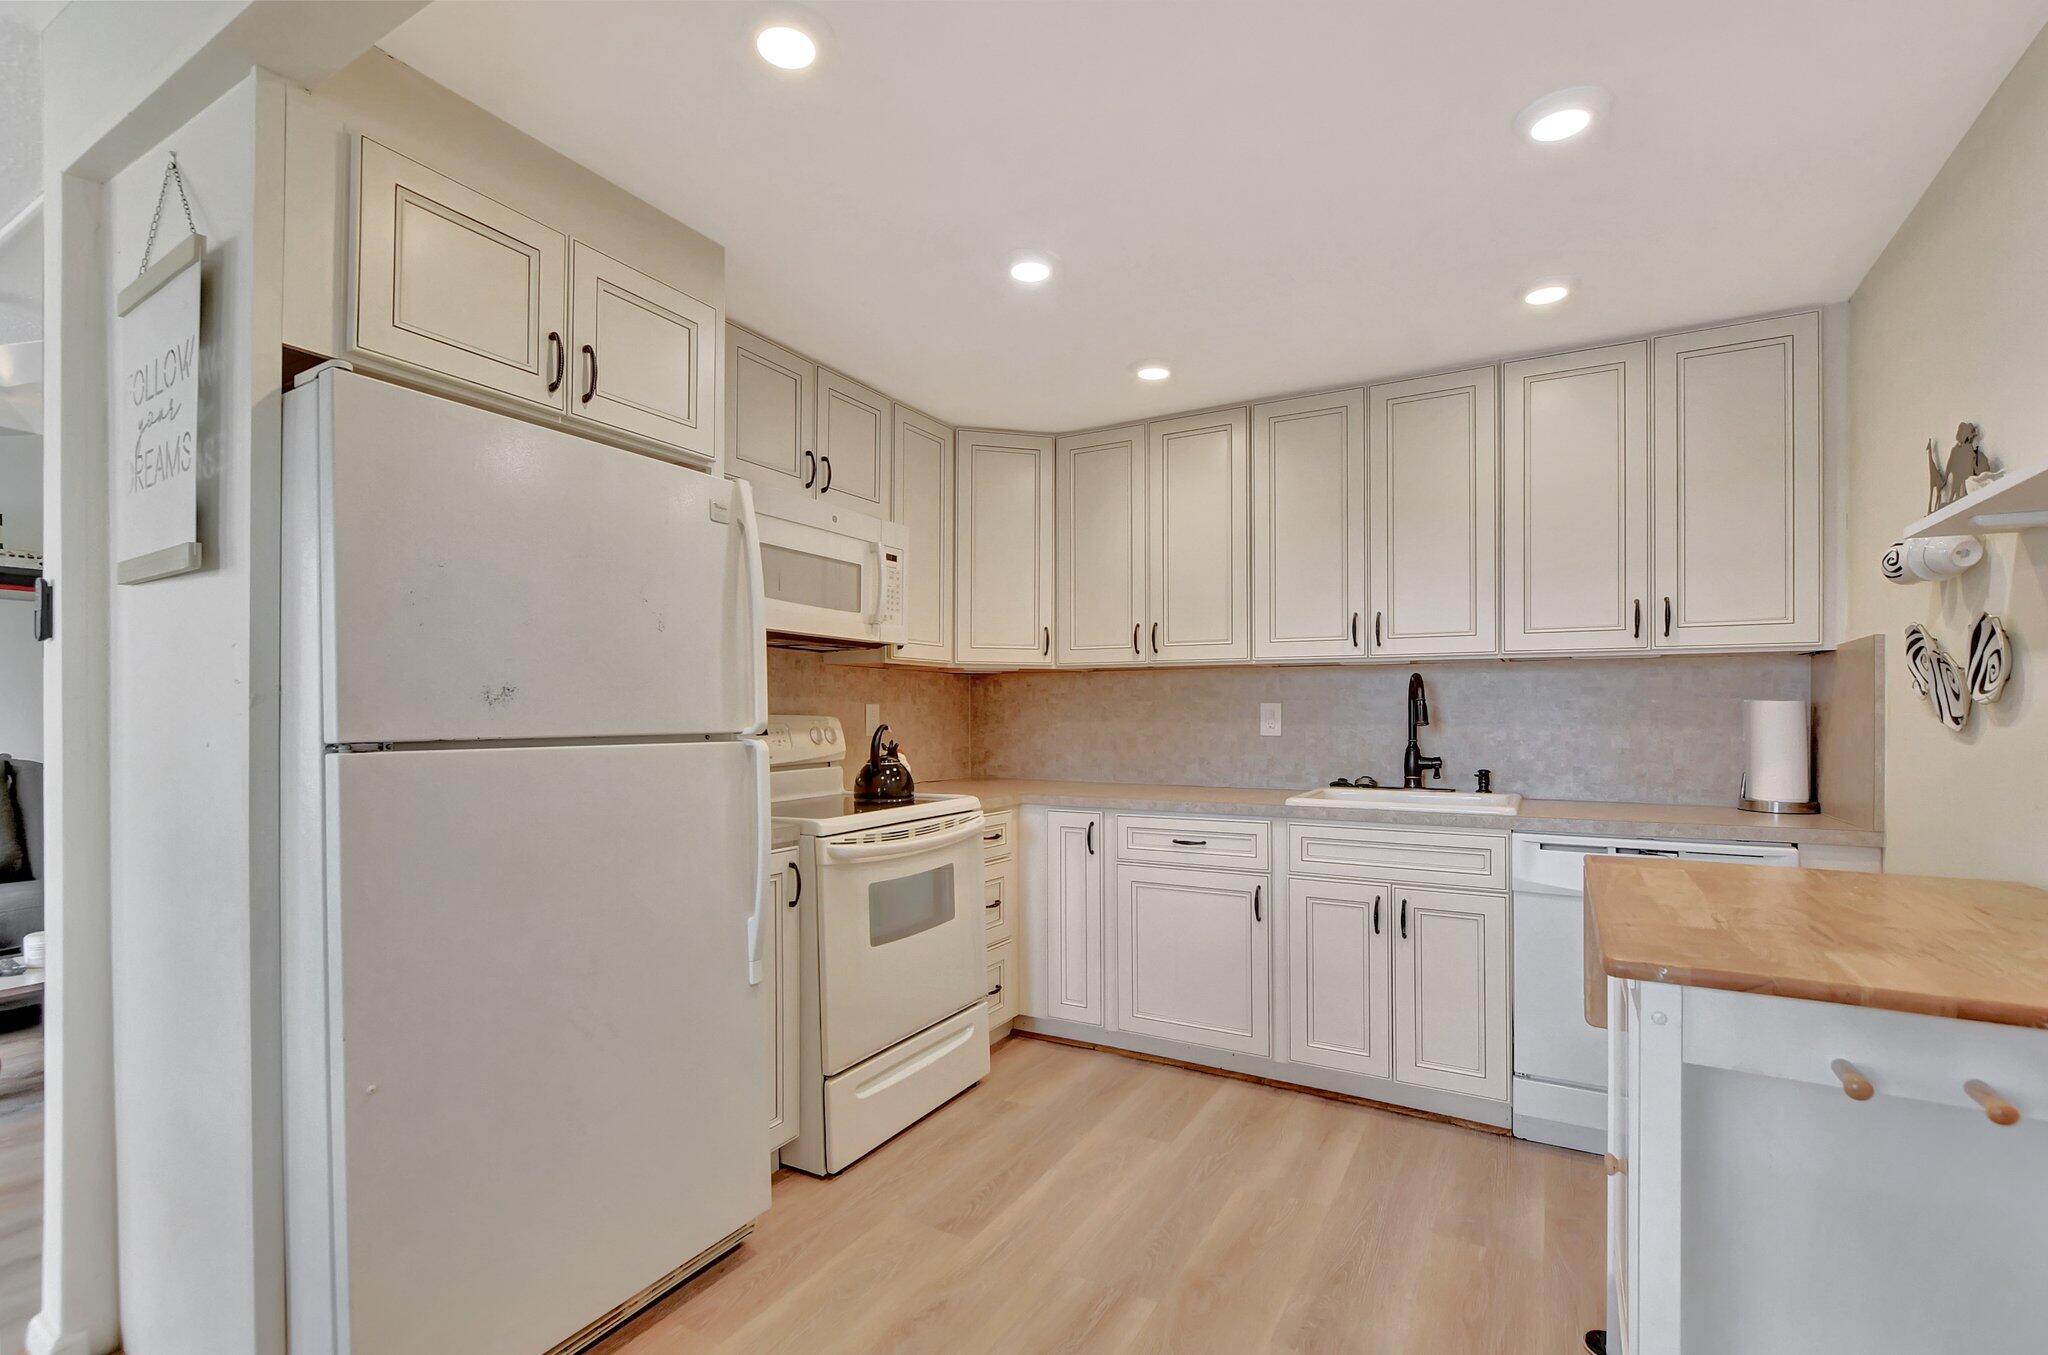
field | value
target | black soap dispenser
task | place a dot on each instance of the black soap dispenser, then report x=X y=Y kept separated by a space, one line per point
x=885 y=780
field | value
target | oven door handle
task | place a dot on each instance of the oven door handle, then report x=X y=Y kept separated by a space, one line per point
x=909 y=846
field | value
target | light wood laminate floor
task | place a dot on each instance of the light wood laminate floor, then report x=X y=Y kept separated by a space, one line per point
x=1079 y=1201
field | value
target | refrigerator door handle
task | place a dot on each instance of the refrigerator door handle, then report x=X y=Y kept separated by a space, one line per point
x=757 y=606
x=757 y=921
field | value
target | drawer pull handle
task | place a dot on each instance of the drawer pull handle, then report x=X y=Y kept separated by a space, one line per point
x=991 y=907
x=1191 y=842
x=1996 y=1108
x=1614 y=1166
x=995 y=991
x=1854 y=1085
x=1258 y=896
x=992 y=837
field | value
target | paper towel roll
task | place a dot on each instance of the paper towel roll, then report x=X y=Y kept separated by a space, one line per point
x=1778 y=754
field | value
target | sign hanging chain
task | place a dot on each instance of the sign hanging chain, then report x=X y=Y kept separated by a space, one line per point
x=171 y=173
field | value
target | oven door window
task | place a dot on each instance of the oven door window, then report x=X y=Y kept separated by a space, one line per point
x=909 y=904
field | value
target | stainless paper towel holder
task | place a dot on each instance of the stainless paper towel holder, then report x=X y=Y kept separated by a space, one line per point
x=1773 y=806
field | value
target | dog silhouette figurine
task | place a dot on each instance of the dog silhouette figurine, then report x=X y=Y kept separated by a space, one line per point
x=1947 y=483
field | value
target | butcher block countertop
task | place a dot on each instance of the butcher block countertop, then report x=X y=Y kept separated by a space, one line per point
x=1972 y=949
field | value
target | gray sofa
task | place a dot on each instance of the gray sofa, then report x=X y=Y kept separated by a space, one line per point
x=21 y=901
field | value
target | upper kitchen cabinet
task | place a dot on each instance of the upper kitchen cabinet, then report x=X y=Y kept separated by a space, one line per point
x=1575 y=501
x=1736 y=483
x=456 y=284
x=769 y=413
x=1308 y=527
x=646 y=356
x=856 y=444
x=1199 y=538
x=1100 y=531
x=924 y=505
x=1435 y=471
x=1003 y=523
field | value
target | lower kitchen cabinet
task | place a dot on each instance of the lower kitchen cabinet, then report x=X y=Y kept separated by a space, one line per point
x=1339 y=972
x=1073 y=916
x=1450 y=991
x=781 y=990
x=1192 y=955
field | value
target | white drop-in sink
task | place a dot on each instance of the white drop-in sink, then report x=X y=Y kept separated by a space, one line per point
x=1414 y=801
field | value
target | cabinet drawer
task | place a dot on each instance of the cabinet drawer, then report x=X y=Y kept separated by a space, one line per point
x=1466 y=860
x=998 y=833
x=995 y=906
x=1002 y=983
x=1211 y=844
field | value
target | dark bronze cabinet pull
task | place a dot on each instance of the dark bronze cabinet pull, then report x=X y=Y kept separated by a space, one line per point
x=1376 y=628
x=810 y=468
x=826 y=488
x=1155 y=637
x=1375 y=915
x=1136 y=626
x=1258 y=895
x=798 y=876
x=561 y=353
x=1354 y=628
x=1639 y=619
x=991 y=907
x=1191 y=842
x=590 y=389
x=1667 y=618
x=1048 y=642
x=1404 y=919
x=994 y=991
x=1091 y=837
x=992 y=837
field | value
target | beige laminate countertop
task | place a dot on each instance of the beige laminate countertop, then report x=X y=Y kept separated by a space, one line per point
x=1974 y=949
x=1718 y=823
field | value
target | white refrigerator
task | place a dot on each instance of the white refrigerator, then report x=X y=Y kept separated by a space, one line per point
x=524 y=855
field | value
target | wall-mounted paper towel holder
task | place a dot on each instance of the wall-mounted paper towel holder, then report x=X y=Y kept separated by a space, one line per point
x=1930 y=559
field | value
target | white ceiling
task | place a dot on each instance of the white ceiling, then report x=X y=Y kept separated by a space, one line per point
x=1267 y=197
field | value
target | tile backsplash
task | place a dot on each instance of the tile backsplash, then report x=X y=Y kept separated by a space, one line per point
x=1661 y=730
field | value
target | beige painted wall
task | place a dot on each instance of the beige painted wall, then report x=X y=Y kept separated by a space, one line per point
x=1951 y=324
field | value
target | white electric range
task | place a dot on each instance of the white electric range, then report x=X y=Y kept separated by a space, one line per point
x=894 y=1021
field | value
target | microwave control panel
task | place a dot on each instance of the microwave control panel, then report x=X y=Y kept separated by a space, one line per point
x=889 y=607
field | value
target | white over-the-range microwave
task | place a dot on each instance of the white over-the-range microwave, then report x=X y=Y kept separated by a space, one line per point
x=833 y=574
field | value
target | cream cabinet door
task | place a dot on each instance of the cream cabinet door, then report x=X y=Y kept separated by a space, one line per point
x=769 y=411
x=1575 y=501
x=780 y=990
x=924 y=505
x=1736 y=474
x=1339 y=976
x=457 y=284
x=1192 y=954
x=1099 y=528
x=1073 y=917
x=856 y=443
x=646 y=355
x=1451 y=991
x=1199 y=538
x=1308 y=527
x=1435 y=471
x=1003 y=521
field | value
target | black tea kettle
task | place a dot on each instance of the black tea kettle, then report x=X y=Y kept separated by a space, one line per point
x=885 y=780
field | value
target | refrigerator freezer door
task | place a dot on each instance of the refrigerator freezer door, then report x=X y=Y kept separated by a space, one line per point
x=484 y=578
x=546 y=1071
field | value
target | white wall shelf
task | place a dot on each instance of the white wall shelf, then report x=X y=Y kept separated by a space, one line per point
x=2012 y=504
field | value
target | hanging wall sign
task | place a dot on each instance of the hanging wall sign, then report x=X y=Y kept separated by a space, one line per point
x=156 y=402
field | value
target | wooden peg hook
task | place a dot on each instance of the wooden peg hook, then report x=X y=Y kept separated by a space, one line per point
x=1854 y=1084
x=1996 y=1108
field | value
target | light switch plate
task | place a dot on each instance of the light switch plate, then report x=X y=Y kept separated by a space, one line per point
x=1269 y=718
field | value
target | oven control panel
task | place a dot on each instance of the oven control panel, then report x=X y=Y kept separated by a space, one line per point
x=804 y=738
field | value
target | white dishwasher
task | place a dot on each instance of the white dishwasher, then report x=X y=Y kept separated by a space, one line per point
x=1560 y=1084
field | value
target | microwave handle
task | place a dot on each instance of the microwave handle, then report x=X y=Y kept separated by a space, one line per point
x=882 y=851
x=757 y=603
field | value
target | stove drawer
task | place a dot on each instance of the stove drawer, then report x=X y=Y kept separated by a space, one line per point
x=871 y=1101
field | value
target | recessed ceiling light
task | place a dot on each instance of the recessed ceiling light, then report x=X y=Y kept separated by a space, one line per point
x=1153 y=371
x=786 y=47
x=1563 y=115
x=1549 y=294
x=1030 y=268
x=1562 y=125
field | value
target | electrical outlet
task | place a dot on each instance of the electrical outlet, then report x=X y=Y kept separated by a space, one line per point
x=873 y=716
x=1269 y=718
